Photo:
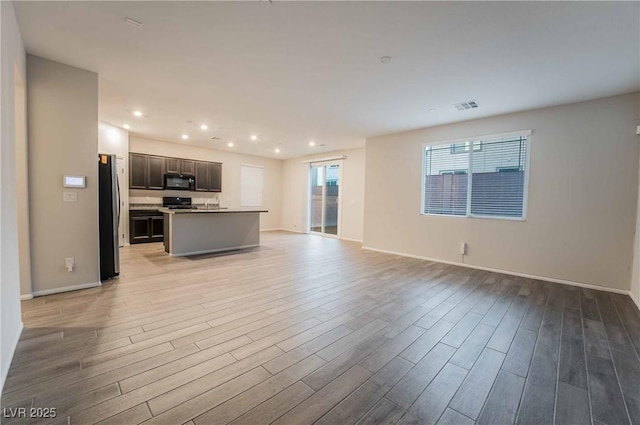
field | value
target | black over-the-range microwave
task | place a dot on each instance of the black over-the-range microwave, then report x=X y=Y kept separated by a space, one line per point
x=179 y=182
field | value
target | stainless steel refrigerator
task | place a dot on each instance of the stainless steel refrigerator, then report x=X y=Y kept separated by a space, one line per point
x=109 y=216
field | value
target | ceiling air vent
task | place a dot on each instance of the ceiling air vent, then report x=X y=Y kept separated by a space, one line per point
x=472 y=104
x=133 y=22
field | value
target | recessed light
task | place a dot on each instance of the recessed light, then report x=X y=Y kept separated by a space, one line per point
x=312 y=143
x=137 y=113
x=126 y=126
x=385 y=59
x=185 y=137
x=230 y=144
x=254 y=137
x=204 y=127
x=277 y=150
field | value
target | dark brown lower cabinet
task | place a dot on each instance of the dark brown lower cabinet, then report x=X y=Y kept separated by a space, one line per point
x=145 y=226
x=157 y=228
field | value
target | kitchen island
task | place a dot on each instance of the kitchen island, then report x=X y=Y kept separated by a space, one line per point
x=201 y=231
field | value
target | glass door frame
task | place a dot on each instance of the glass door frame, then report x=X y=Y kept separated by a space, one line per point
x=325 y=164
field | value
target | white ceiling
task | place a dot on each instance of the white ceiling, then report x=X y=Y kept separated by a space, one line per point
x=299 y=71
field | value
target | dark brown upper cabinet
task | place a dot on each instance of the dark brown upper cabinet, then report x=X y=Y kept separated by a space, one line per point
x=180 y=166
x=138 y=175
x=147 y=172
x=172 y=165
x=208 y=176
x=156 y=172
x=202 y=183
x=188 y=167
x=214 y=176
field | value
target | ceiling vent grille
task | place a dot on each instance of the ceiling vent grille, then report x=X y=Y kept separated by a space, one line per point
x=133 y=22
x=472 y=104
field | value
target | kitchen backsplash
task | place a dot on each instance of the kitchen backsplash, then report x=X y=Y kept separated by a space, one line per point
x=157 y=200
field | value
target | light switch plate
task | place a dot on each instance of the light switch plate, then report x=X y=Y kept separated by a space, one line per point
x=70 y=196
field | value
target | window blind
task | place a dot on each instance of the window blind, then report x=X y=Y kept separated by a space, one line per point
x=497 y=177
x=251 y=185
x=445 y=181
x=487 y=180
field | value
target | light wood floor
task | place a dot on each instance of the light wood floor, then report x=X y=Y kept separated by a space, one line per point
x=308 y=329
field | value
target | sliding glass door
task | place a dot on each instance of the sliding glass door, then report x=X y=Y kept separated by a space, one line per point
x=324 y=213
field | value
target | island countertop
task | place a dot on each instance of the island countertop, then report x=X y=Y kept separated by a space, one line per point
x=211 y=211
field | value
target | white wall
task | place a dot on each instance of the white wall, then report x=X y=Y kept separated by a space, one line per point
x=230 y=196
x=295 y=189
x=22 y=186
x=580 y=216
x=62 y=104
x=12 y=68
x=114 y=140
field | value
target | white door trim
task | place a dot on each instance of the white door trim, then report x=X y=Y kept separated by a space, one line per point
x=324 y=163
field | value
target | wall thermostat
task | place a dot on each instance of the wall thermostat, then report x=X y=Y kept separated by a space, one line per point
x=74 y=181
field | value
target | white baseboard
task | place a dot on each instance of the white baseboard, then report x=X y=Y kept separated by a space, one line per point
x=6 y=362
x=293 y=231
x=26 y=297
x=329 y=236
x=635 y=299
x=275 y=229
x=66 y=289
x=209 y=251
x=509 y=272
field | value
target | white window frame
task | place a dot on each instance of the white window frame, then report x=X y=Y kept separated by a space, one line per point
x=465 y=148
x=471 y=140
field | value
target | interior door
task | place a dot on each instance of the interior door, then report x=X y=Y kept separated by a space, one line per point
x=324 y=205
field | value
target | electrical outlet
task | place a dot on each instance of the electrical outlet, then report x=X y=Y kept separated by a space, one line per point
x=69 y=263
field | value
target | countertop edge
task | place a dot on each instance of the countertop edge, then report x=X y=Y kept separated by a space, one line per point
x=221 y=211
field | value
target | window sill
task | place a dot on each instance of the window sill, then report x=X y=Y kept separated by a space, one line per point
x=477 y=217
